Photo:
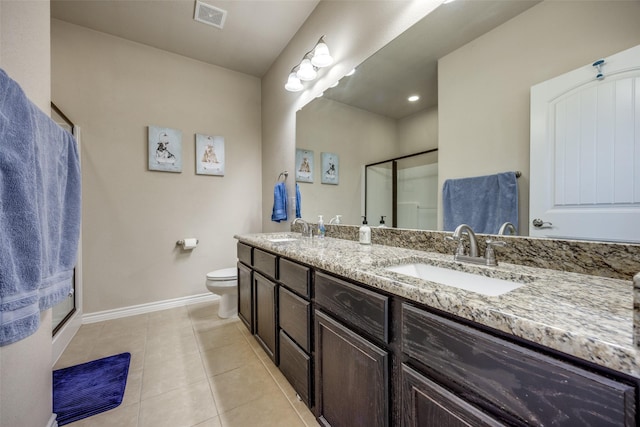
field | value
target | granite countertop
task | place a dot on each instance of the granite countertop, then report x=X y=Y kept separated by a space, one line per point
x=589 y=317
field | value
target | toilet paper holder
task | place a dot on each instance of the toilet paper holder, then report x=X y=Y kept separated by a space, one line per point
x=181 y=242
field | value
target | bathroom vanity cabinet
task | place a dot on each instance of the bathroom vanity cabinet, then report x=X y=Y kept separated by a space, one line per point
x=359 y=356
x=352 y=364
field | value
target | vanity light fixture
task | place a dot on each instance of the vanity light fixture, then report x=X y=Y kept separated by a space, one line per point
x=351 y=73
x=307 y=69
x=293 y=83
x=413 y=98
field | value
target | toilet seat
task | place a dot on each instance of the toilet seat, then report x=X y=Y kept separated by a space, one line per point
x=223 y=275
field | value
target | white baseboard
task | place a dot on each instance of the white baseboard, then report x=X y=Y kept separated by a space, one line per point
x=52 y=421
x=133 y=310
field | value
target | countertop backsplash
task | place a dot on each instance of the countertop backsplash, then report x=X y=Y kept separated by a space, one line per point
x=613 y=260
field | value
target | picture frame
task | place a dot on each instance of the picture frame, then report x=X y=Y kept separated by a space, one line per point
x=304 y=165
x=330 y=173
x=164 y=149
x=209 y=155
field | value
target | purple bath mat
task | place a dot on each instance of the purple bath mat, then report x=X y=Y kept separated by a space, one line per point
x=89 y=388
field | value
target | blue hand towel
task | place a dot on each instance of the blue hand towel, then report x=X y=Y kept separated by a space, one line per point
x=483 y=202
x=298 y=202
x=39 y=212
x=279 y=212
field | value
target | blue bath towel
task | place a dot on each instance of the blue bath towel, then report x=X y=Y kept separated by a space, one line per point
x=298 y=202
x=483 y=202
x=279 y=212
x=39 y=212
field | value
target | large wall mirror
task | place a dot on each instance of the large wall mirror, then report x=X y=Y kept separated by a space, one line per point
x=472 y=63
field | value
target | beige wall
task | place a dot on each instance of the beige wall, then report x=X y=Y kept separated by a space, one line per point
x=484 y=86
x=354 y=30
x=418 y=132
x=25 y=366
x=132 y=217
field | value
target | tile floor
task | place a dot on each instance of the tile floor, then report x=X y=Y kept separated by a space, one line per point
x=189 y=368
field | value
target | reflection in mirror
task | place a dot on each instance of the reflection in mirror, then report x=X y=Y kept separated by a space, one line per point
x=403 y=192
x=364 y=125
x=475 y=62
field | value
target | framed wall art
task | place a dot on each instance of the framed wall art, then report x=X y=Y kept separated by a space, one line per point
x=304 y=165
x=209 y=155
x=330 y=169
x=165 y=149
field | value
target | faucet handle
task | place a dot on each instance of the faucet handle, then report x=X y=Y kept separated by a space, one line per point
x=460 y=249
x=490 y=254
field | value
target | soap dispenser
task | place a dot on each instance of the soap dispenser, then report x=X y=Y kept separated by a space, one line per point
x=382 y=224
x=365 y=232
x=321 y=230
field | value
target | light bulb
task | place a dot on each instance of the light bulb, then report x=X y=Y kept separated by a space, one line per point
x=306 y=71
x=293 y=83
x=321 y=57
x=351 y=73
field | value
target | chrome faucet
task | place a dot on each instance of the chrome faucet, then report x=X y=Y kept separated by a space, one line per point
x=507 y=228
x=473 y=257
x=458 y=237
x=307 y=231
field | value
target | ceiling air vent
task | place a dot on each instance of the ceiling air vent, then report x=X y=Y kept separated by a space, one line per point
x=210 y=15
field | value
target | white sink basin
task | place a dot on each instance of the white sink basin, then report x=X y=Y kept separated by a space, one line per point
x=282 y=239
x=458 y=279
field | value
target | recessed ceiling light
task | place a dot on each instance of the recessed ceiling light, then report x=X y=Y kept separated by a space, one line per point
x=413 y=98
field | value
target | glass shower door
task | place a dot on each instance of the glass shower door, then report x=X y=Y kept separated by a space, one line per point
x=65 y=309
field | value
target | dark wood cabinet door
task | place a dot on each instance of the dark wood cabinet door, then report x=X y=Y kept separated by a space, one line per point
x=245 y=296
x=352 y=377
x=425 y=403
x=265 y=314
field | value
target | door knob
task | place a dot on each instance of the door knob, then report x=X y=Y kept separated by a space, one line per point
x=538 y=223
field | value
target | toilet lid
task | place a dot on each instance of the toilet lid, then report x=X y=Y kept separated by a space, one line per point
x=224 y=274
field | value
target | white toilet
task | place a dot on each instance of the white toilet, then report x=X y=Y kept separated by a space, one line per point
x=225 y=283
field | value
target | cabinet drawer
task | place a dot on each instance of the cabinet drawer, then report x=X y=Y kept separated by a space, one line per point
x=244 y=253
x=362 y=308
x=294 y=276
x=528 y=386
x=295 y=317
x=295 y=365
x=265 y=263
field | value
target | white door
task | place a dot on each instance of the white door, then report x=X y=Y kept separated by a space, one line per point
x=585 y=153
